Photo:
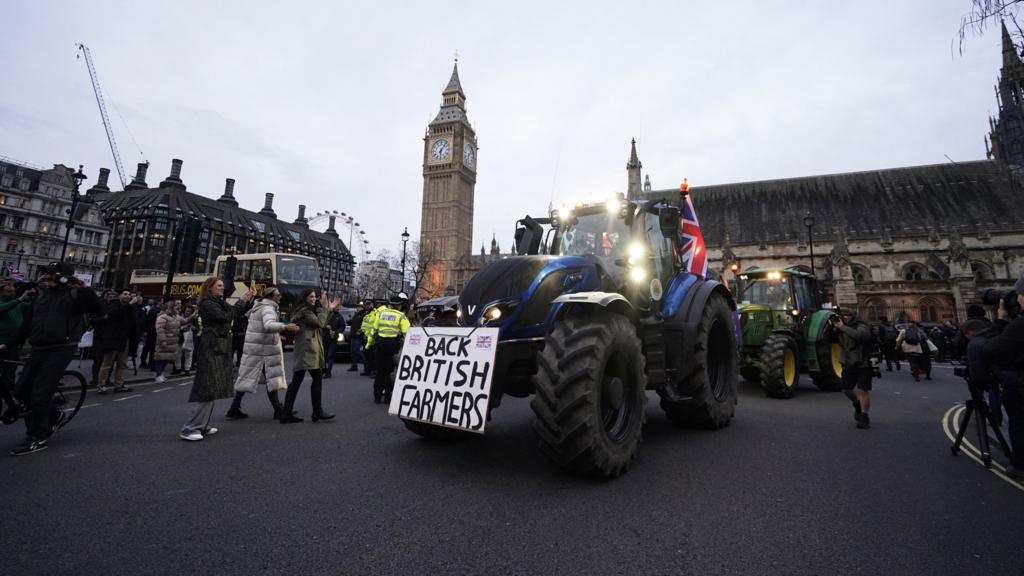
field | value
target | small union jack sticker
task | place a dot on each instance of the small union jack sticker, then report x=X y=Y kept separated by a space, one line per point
x=483 y=342
x=415 y=339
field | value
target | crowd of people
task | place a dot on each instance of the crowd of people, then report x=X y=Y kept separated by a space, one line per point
x=59 y=316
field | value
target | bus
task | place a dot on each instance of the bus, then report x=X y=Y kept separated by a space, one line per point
x=290 y=273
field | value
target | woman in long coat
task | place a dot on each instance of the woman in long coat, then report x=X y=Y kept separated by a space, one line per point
x=262 y=354
x=309 y=354
x=168 y=334
x=213 y=356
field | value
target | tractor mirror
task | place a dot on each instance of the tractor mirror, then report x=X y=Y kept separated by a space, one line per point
x=528 y=237
x=668 y=219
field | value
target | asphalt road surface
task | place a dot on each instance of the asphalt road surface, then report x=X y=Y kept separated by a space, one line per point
x=791 y=487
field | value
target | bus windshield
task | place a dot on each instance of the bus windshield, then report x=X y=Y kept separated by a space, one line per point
x=774 y=294
x=297 y=270
x=600 y=234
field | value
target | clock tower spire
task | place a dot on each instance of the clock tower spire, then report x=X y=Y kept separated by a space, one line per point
x=449 y=180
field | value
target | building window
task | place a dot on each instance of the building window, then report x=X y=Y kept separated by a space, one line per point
x=914 y=272
x=982 y=271
x=12 y=245
x=861 y=274
x=929 y=310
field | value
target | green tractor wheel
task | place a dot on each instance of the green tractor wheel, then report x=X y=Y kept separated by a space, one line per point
x=780 y=369
x=829 y=377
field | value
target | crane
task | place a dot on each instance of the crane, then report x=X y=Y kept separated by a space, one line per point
x=103 y=112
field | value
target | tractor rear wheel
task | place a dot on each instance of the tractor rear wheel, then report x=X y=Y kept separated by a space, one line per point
x=780 y=370
x=591 y=394
x=710 y=389
x=830 y=374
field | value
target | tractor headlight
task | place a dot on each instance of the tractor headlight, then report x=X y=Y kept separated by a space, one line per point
x=636 y=253
x=637 y=274
x=613 y=206
x=458 y=313
x=498 y=311
x=341 y=337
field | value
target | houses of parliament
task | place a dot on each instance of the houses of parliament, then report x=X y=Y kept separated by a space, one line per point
x=917 y=242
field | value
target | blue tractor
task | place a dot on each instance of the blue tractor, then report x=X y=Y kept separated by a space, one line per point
x=594 y=311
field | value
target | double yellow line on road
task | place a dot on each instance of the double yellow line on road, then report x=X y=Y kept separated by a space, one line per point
x=950 y=421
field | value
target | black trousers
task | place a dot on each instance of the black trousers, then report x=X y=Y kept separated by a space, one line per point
x=315 y=391
x=1013 y=402
x=891 y=357
x=385 y=351
x=38 y=382
x=330 y=347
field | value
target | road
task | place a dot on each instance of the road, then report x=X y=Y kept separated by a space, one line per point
x=791 y=487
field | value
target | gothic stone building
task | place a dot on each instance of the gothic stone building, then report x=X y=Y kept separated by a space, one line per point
x=143 y=222
x=919 y=242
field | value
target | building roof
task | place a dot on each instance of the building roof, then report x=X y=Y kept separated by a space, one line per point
x=969 y=197
x=142 y=203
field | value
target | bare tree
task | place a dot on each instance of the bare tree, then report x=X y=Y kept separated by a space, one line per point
x=987 y=12
x=418 y=262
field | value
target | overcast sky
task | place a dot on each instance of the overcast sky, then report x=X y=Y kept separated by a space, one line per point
x=326 y=103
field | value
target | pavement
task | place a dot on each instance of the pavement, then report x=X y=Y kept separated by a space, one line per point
x=791 y=487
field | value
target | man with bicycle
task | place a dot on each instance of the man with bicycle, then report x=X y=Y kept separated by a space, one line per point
x=52 y=325
x=12 y=309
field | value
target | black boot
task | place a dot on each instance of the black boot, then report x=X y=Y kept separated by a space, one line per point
x=275 y=402
x=287 y=415
x=235 y=412
x=315 y=391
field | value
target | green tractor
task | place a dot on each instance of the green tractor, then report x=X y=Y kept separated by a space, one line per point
x=786 y=330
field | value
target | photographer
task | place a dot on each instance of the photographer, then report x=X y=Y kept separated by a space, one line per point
x=1004 y=351
x=53 y=325
x=855 y=338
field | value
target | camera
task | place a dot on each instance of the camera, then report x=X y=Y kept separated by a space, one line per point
x=992 y=296
x=62 y=272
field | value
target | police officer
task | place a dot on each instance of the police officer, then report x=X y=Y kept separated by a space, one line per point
x=388 y=328
x=371 y=354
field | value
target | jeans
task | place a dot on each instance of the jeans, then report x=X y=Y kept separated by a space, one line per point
x=38 y=383
x=357 y=351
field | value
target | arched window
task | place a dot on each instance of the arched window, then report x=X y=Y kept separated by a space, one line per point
x=914 y=271
x=875 y=309
x=930 y=310
x=982 y=271
x=861 y=274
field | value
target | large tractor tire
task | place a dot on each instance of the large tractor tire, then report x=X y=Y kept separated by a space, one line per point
x=437 y=433
x=829 y=377
x=710 y=389
x=591 y=394
x=780 y=370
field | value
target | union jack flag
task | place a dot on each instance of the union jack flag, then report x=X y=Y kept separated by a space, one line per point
x=693 y=254
x=483 y=342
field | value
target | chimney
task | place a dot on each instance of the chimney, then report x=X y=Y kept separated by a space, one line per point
x=229 y=193
x=139 y=182
x=174 y=180
x=268 y=206
x=301 y=220
x=101 y=183
x=330 y=228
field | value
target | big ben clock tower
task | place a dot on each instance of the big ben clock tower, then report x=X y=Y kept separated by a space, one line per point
x=449 y=177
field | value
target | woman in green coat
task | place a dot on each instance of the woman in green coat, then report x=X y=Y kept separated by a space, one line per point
x=213 y=356
x=308 y=354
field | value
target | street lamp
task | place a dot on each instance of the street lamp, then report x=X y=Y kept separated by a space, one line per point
x=405 y=239
x=77 y=177
x=809 y=223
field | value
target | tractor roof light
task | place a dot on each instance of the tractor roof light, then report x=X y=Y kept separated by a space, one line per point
x=775 y=275
x=796 y=312
x=613 y=205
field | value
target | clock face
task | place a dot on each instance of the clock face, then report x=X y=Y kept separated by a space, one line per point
x=468 y=156
x=440 y=150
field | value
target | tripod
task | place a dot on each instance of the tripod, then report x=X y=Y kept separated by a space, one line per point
x=985 y=418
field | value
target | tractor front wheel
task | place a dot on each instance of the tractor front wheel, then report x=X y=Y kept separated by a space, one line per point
x=780 y=370
x=830 y=374
x=591 y=394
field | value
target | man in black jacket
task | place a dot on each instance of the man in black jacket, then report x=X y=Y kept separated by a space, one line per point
x=115 y=332
x=356 y=337
x=854 y=337
x=53 y=326
x=1004 y=349
x=329 y=336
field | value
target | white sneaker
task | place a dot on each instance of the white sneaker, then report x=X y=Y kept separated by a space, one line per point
x=210 y=432
x=160 y=379
x=191 y=436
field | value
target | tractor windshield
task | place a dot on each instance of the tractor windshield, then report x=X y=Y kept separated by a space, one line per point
x=770 y=292
x=599 y=234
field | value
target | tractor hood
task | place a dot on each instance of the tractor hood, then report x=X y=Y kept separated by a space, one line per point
x=515 y=293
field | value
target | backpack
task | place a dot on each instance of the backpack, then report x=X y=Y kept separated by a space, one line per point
x=912 y=336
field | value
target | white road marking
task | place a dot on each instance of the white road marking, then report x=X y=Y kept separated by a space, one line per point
x=184 y=384
x=128 y=397
x=90 y=405
x=162 y=389
x=950 y=431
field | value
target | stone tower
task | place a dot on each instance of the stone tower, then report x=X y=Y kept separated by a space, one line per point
x=1006 y=142
x=633 y=168
x=449 y=178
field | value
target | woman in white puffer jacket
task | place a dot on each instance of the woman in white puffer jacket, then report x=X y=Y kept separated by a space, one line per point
x=262 y=354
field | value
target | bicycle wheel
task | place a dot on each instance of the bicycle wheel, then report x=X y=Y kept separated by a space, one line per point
x=70 y=395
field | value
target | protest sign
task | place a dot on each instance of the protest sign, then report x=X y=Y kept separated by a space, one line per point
x=444 y=377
